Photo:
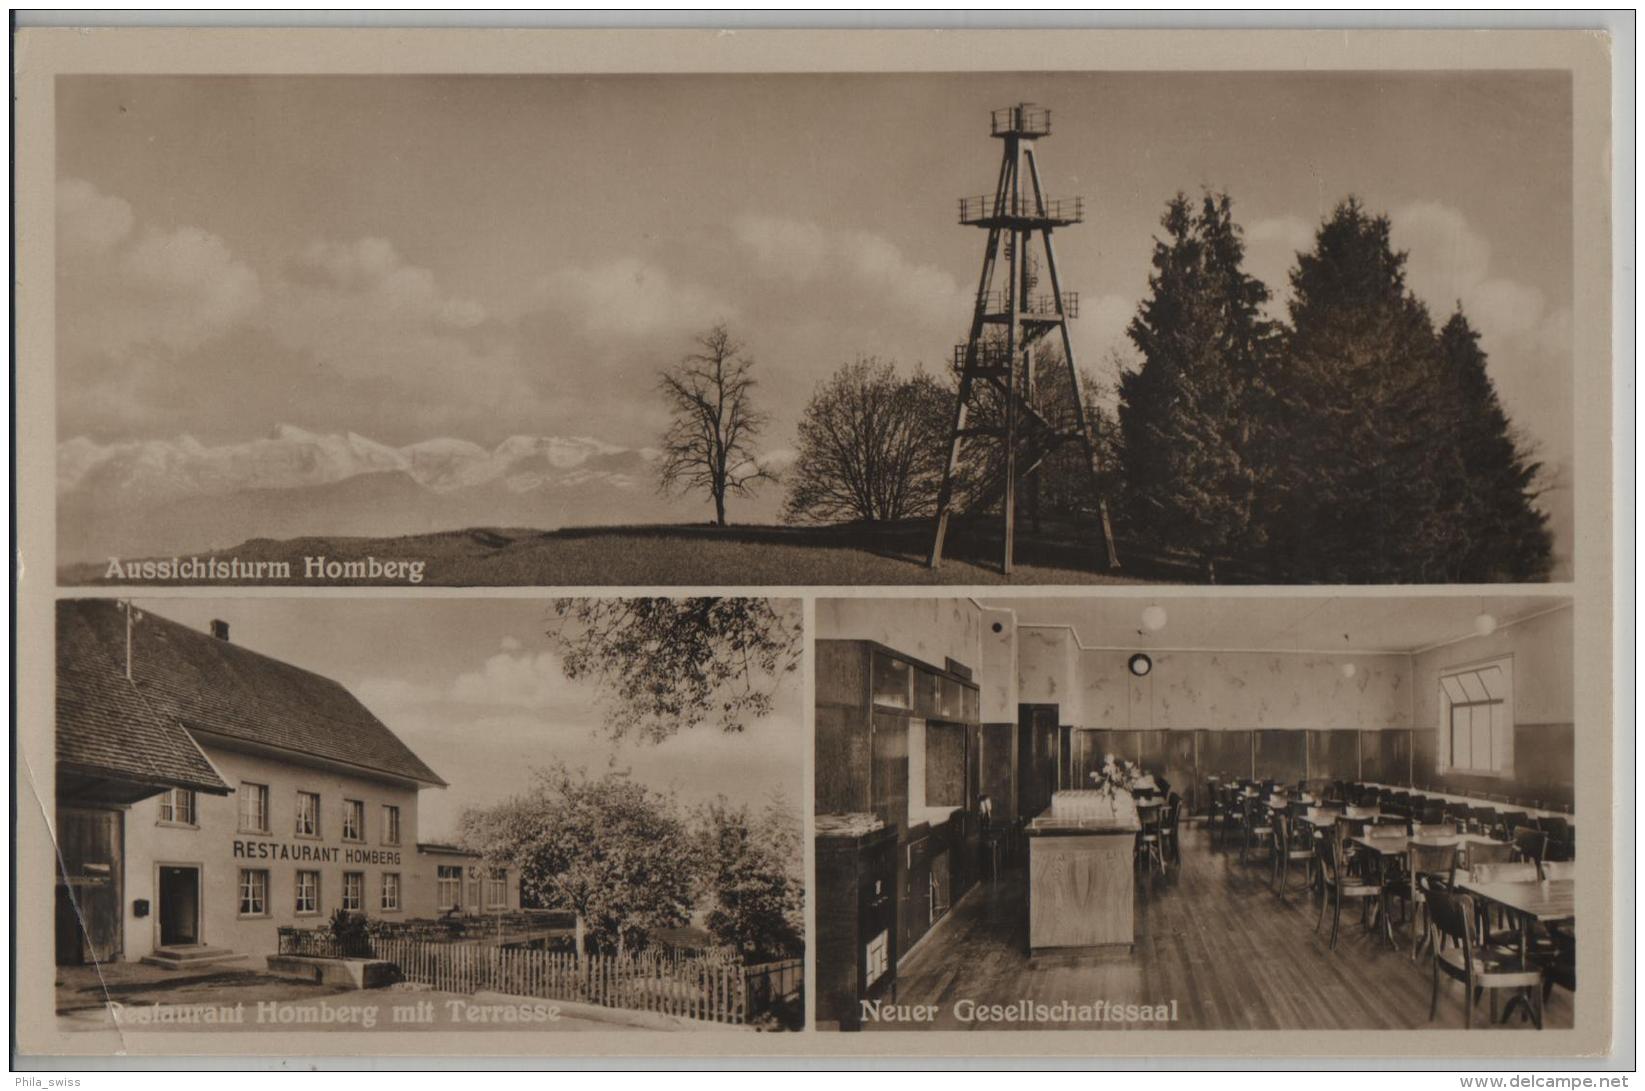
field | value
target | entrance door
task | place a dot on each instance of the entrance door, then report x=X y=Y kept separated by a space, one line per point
x=88 y=887
x=179 y=906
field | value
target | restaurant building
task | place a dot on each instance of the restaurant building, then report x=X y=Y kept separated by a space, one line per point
x=208 y=795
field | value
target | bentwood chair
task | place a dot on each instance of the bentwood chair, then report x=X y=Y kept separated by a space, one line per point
x=1530 y=843
x=1479 y=966
x=1259 y=828
x=1149 y=850
x=1339 y=886
x=1292 y=844
x=1170 y=842
x=1426 y=866
x=1561 y=968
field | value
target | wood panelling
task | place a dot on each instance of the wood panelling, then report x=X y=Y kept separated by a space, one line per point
x=1544 y=767
x=997 y=768
x=1177 y=760
x=945 y=765
x=1224 y=753
x=1385 y=756
x=1333 y=755
x=842 y=761
x=1281 y=755
x=842 y=677
x=890 y=777
x=1037 y=740
x=1080 y=890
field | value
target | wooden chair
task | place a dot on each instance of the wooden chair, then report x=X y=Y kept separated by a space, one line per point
x=1486 y=852
x=1292 y=842
x=1259 y=828
x=1171 y=843
x=1338 y=885
x=1434 y=863
x=1149 y=852
x=1530 y=843
x=1480 y=967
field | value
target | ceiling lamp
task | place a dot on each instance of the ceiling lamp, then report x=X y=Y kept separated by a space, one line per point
x=1153 y=618
x=1349 y=670
x=1485 y=624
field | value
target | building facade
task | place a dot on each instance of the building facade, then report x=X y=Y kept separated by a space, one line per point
x=281 y=799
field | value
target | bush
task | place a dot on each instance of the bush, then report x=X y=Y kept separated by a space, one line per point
x=352 y=934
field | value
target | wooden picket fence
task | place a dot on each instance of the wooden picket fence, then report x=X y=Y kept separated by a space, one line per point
x=691 y=988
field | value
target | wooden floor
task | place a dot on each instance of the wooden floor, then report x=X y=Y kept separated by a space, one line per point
x=1212 y=937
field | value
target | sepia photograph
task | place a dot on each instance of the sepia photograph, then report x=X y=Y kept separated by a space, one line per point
x=1250 y=814
x=285 y=815
x=1295 y=327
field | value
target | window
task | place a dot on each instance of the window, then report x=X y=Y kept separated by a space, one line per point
x=177 y=806
x=253 y=893
x=308 y=892
x=1477 y=719
x=253 y=807
x=391 y=824
x=354 y=820
x=308 y=814
x=497 y=889
x=449 y=887
x=354 y=891
x=391 y=891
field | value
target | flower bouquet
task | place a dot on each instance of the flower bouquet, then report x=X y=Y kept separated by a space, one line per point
x=1116 y=775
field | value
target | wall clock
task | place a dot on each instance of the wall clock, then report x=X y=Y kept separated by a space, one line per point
x=1140 y=664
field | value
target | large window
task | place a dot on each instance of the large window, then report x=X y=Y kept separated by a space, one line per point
x=391 y=891
x=177 y=806
x=253 y=893
x=308 y=814
x=391 y=824
x=354 y=891
x=354 y=820
x=1477 y=719
x=253 y=807
x=497 y=889
x=449 y=887
x=308 y=892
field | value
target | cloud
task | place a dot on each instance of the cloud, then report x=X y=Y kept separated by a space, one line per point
x=516 y=679
x=1271 y=248
x=88 y=221
x=152 y=290
x=630 y=298
x=803 y=252
x=372 y=271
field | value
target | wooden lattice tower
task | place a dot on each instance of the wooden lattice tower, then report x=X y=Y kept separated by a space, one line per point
x=996 y=363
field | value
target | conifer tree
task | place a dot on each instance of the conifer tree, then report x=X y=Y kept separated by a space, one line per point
x=1368 y=474
x=1187 y=415
x=1506 y=537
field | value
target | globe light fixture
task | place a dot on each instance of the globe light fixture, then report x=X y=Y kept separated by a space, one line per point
x=1153 y=618
x=1349 y=670
x=1485 y=624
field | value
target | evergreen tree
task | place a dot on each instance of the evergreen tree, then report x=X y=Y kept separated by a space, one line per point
x=1186 y=415
x=1368 y=474
x=1506 y=536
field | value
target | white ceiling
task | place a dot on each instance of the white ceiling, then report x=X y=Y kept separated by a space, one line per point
x=1241 y=622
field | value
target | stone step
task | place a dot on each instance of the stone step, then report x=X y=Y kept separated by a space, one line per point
x=191 y=957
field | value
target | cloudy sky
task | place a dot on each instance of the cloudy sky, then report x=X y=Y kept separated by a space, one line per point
x=481 y=257
x=476 y=691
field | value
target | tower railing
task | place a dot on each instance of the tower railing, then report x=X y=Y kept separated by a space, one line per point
x=987 y=208
x=998 y=301
x=1023 y=120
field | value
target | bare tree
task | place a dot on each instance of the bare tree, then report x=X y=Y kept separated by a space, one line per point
x=710 y=442
x=871 y=446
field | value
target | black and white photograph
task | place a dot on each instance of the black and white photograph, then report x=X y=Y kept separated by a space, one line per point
x=1257 y=327
x=1248 y=814
x=852 y=544
x=296 y=815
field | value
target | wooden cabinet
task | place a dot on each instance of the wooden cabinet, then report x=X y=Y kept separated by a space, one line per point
x=857 y=928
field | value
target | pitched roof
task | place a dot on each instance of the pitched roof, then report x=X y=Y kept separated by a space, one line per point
x=105 y=729
x=212 y=686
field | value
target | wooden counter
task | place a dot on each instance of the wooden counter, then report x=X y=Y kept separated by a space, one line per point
x=1080 y=879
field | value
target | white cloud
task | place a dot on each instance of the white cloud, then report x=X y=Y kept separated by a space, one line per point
x=88 y=221
x=629 y=297
x=515 y=680
x=159 y=288
x=373 y=270
x=803 y=252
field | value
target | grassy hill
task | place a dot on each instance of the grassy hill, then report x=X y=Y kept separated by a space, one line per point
x=691 y=555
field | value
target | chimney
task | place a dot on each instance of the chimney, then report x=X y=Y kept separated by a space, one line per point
x=219 y=629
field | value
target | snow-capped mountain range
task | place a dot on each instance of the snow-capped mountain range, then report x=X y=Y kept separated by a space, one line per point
x=166 y=496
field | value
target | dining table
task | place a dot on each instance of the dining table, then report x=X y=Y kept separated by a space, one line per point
x=1544 y=901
